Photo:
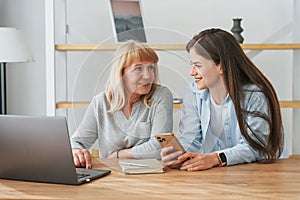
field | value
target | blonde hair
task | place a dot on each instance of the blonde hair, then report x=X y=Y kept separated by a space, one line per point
x=128 y=53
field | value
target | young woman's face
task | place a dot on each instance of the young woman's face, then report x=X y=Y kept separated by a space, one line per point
x=205 y=72
x=139 y=77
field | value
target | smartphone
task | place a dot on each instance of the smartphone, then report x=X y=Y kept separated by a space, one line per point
x=169 y=139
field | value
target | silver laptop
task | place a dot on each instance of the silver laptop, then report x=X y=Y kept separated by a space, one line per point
x=37 y=148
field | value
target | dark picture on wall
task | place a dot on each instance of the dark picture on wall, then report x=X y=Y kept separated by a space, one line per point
x=128 y=20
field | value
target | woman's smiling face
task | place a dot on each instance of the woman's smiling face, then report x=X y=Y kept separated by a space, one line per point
x=205 y=72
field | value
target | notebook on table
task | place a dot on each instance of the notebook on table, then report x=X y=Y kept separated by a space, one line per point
x=141 y=166
x=37 y=148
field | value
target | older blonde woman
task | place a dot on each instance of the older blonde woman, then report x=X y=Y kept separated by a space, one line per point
x=132 y=110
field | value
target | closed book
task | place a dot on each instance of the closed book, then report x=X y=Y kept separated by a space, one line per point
x=141 y=166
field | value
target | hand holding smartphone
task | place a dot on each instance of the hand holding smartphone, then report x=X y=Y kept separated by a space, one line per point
x=169 y=139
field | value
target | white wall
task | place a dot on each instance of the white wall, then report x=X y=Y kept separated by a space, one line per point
x=26 y=81
x=80 y=75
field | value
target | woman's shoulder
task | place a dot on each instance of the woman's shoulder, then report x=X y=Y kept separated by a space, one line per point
x=254 y=94
x=100 y=96
x=162 y=94
x=162 y=91
x=99 y=99
x=251 y=87
x=193 y=92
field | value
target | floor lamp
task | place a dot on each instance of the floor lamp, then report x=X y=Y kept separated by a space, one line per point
x=13 y=49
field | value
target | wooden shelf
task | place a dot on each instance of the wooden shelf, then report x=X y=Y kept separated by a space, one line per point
x=289 y=104
x=69 y=105
x=177 y=105
x=112 y=47
x=271 y=46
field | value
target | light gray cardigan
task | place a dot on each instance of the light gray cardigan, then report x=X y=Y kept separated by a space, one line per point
x=114 y=131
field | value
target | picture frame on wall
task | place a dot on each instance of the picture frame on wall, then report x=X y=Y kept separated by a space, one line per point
x=127 y=20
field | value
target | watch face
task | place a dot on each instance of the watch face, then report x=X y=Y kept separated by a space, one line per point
x=223 y=157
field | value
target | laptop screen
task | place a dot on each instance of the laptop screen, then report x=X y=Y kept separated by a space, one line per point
x=36 y=148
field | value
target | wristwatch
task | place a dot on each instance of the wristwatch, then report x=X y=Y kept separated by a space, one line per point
x=222 y=159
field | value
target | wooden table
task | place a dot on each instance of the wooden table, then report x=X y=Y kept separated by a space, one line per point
x=280 y=180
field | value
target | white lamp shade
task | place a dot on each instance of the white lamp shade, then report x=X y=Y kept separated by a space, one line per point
x=13 y=46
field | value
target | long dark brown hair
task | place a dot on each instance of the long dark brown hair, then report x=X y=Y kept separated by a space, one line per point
x=222 y=47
